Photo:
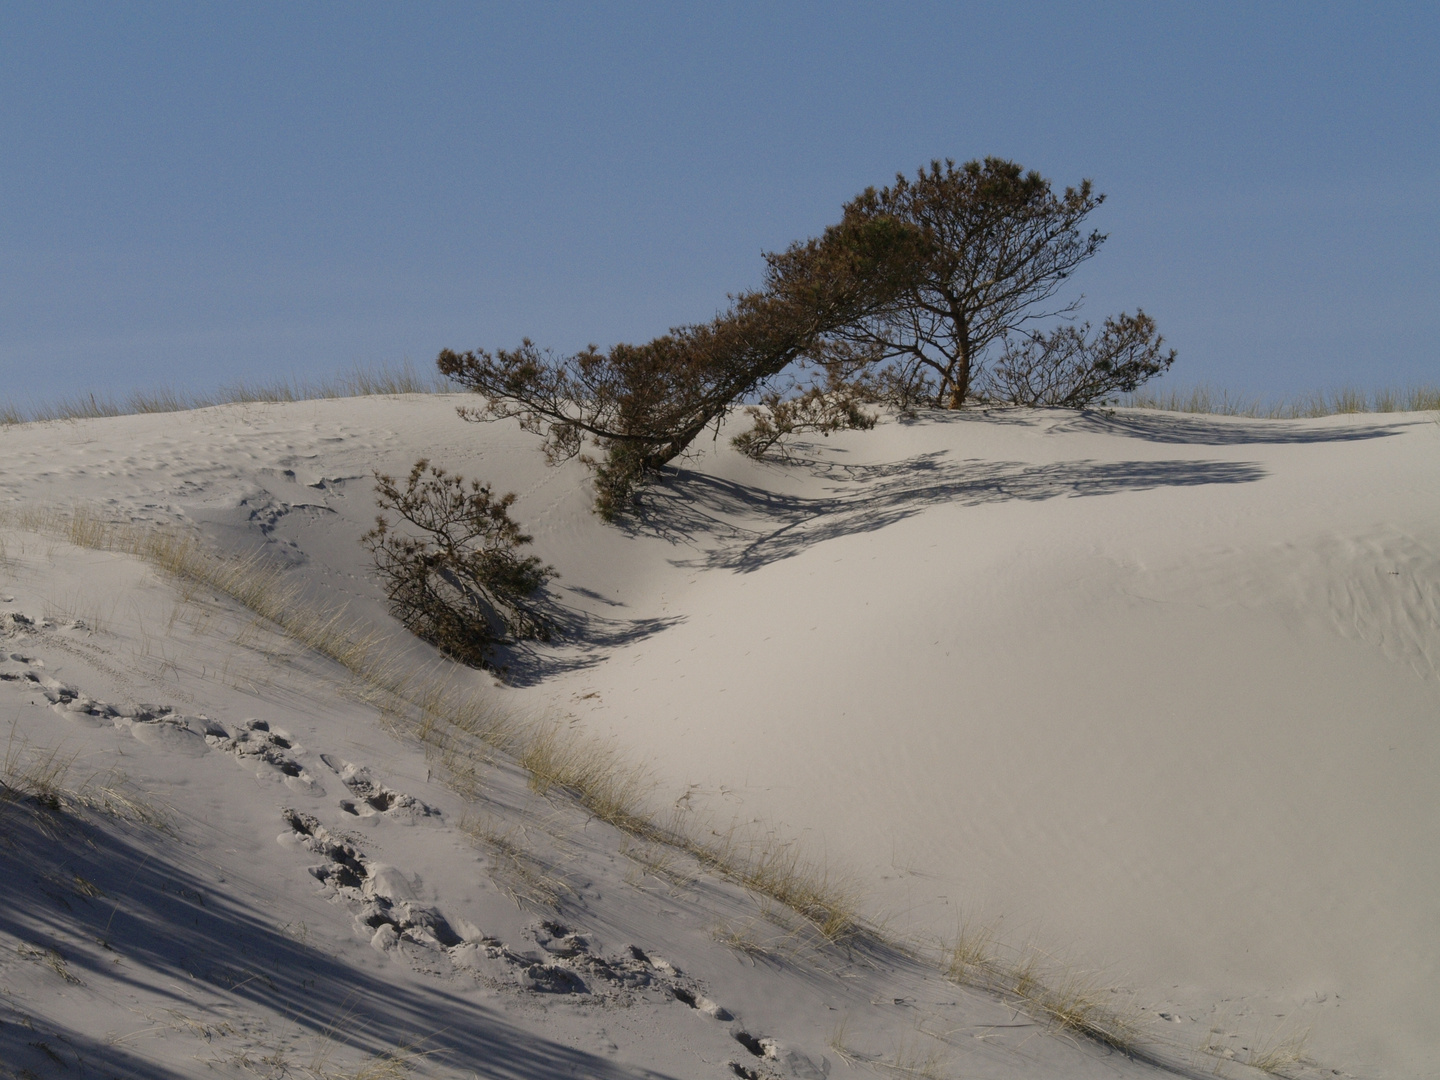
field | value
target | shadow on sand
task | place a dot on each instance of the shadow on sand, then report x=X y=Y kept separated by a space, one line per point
x=1184 y=430
x=582 y=640
x=156 y=932
x=702 y=511
x=1180 y=429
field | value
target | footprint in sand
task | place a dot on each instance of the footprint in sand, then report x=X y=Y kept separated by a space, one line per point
x=18 y=668
x=271 y=752
x=375 y=799
x=386 y=910
x=384 y=903
x=772 y=1051
x=158 y=725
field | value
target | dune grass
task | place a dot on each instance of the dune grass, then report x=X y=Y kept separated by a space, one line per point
x=360 y=382
x=407 y=379
x=38 y=779
x=1067 y=996
x=1204 y=399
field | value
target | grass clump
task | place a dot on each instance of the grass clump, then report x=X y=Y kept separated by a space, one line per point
x=38 y=781
x=48 y=957
x=1061 y=994
x=524 y=878
x=779 y=871
x=1280 y=1053
x=970 y=956
x=590 y=771
x=1072 y=1000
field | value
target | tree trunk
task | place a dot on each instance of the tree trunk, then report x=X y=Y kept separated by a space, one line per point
x=960 y=383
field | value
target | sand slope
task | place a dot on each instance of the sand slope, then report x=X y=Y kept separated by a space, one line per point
x=1156 y=693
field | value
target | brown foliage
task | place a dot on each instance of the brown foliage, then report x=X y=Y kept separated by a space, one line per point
x=837 y=406
x=997 y=242
x=643 y=405
x=1070 y=368
x=459 y=584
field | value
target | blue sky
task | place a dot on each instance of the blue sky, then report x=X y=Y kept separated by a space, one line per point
x=194 y=194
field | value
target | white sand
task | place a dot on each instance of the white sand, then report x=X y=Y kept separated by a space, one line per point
x=1157 y=694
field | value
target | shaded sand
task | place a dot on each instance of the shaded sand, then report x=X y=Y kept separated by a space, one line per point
x=1155 y=693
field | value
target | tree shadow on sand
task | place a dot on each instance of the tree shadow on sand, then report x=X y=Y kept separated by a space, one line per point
x=1210 y=431
x=743 y=527
x=144 y=926
x=581 y=639
x=1178 y=429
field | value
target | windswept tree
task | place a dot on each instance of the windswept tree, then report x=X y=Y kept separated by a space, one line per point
x=643 y=405
x=900 y=301
x=997 y=243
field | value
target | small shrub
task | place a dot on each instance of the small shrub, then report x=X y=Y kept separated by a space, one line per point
x=1071 y=368
x=836 y=407
x=460 y=584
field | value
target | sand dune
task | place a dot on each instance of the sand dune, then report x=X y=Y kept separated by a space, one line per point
x=1154 y=694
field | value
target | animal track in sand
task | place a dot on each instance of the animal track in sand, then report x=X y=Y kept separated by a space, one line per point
x=556 y=961
x=272 y=754
x=771 y=1050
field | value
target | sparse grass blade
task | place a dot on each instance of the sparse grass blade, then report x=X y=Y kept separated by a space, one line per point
x=1343 y=401
x=359 y=382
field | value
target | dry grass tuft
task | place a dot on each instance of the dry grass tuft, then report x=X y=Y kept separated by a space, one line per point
x=659 y=860
x=528 y=881
x=780 y=872
x=50 y=958
x=1280 y=1053
x=744 y=940
x=278 y=1064
x=39 y=779
x=917 y=1059
x=38 y=776
x=590 y=771
x=391 y=1065
x=767 y=937
x=913 y=1057
x=836 y=1042
x=1066 y=997
x=971 y=956
x=250 y=581
x=1075 y=1001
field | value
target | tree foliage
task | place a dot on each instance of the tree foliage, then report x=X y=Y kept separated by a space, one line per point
x=834 y=406
x=643 y=405
x=907 y=300
x=996 y=243
x=1071 y=368
x=452 y=572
